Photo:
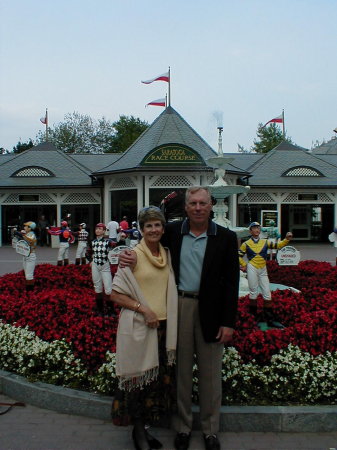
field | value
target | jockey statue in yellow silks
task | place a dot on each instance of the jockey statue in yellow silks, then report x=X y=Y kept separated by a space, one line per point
x=256 y=252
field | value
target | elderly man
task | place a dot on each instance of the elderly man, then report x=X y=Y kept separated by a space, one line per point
x=205 y=262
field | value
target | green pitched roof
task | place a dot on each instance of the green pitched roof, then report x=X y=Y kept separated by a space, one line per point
x=168 y=128
x=63 y=169
x=270 y=170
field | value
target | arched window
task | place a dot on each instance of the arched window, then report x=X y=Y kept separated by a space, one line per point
x=302 y=171
x=33 y=171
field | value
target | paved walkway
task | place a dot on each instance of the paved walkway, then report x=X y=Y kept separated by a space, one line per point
x=32 y=428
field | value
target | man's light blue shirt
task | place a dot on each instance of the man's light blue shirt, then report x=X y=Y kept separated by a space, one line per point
x=192 y=257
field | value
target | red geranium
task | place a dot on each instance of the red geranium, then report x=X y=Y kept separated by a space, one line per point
x=61 y=306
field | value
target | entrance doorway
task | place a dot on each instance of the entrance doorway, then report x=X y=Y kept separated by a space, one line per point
x=308 y=222
x=14 y=216
x=300 y=221
x=124 y=203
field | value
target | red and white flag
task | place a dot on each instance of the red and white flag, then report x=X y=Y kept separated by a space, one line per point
x=44 y=119
x=163 y=77
x=278 y=119
x=158 y=102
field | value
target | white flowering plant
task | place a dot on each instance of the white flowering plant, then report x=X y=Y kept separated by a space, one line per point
x=54 y=335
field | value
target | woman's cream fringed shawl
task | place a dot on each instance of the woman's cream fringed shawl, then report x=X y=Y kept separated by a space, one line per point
x=137 y=359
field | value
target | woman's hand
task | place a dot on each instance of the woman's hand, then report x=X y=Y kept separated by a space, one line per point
x=150 y=317
x=127 y=258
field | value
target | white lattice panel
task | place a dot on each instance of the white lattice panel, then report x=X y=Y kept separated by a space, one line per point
x=256 y=197
x=121 y=183
x=293 y=198
x=12 y=198
x=302 y=172
x=80 y=197
x=33 y=172
x=324 y=198
x=171 y=181
x=45 y=198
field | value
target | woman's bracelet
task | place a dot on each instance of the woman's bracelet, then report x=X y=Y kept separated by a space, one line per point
x=137 y=307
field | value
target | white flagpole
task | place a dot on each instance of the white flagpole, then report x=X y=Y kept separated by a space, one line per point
x=284 y=132
x=169 y=86
x=47 y=124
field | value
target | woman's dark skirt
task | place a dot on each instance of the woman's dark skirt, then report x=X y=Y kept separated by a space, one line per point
x=156 y=402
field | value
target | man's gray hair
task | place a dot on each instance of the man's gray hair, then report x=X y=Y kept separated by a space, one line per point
x=194 y=189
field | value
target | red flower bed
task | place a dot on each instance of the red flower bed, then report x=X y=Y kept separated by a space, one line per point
x=310 y=317
x=62 y=307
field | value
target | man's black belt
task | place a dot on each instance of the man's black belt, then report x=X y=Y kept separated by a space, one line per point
x=188 y=294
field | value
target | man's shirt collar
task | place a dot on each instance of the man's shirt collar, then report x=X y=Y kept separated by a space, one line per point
x=211 y=230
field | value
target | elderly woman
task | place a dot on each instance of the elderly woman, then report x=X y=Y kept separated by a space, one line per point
x=147 y=333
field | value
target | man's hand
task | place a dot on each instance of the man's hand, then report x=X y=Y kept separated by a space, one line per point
x=289 y=236
x=127 y=258
x=225 y=335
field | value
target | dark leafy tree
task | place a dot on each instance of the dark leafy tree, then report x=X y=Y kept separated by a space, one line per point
x=80 y=133
x=22 y=146
x=268 y=137
x=127 y=130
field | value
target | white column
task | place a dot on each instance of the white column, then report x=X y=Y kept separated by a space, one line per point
x=146 y=191
x=335 y=212
x=140 y=198
x=234 y=210
x=0 y=225
x=278 y=205
x=58 y=211
x=107 y=205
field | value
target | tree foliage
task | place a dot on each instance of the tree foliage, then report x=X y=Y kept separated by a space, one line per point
x=127 y=130
x=22 y=146
x=268 y=137
x=80 y=133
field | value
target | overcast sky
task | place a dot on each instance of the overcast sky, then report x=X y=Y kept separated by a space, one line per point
x=234 y=63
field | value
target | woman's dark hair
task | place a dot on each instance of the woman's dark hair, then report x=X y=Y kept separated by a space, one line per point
x=150 y=213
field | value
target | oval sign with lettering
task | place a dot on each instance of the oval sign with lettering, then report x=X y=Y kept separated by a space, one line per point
x=172 y=154
x=113 y=255
x=23 y=248
x=288 y=256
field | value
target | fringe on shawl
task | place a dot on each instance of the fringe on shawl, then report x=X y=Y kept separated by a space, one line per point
x=128 y=383
x=171 y=357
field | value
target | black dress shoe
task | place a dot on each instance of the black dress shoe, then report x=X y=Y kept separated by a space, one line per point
x=152 y=441
x=211 y=442
x=139 y=440
x=182 y=441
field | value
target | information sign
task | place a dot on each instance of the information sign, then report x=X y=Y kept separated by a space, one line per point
x=23 y=248
x=113 y=255
x=172 y=154
x=267 y=216
x=288 y=256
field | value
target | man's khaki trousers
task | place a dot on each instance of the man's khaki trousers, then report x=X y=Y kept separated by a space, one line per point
x=209 y=360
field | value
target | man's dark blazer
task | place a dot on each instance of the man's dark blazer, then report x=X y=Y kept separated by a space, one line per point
x=219 y=286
